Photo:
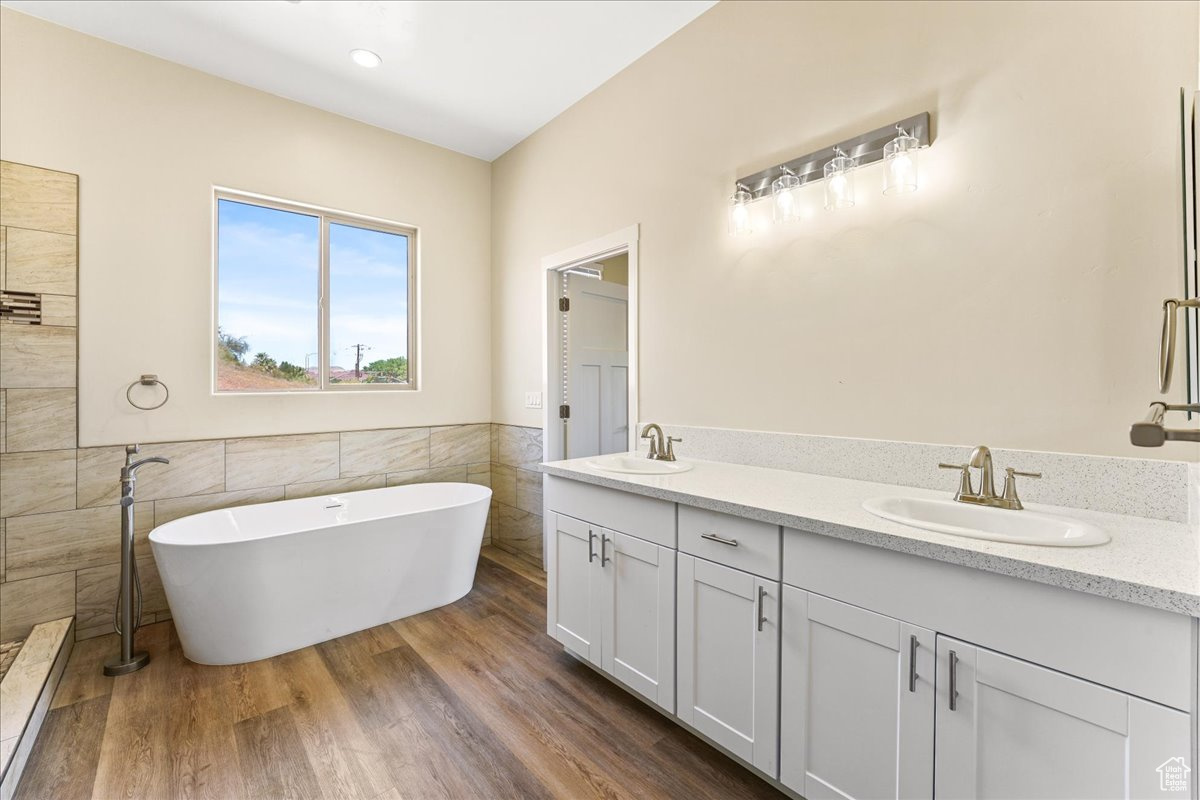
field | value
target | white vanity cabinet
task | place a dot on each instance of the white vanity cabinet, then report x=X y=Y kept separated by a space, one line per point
x=614 y=603
x=850 y=671
x=856 y=702
x=1007 y=728
x=728 y=659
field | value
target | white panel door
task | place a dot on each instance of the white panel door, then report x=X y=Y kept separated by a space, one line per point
x=578 y=587
x=728 y=651
x=639 y=624
x=856 y=702
x=1019 y=730
x=597 y=368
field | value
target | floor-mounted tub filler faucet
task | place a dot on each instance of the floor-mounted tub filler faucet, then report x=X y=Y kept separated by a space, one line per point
x=126 y=620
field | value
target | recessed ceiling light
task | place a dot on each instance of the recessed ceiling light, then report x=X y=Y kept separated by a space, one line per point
x=365 y=58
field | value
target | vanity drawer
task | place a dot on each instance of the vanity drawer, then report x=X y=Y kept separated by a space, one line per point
x=744 y=544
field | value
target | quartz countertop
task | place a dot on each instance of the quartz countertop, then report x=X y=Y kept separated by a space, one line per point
x=1148 y=562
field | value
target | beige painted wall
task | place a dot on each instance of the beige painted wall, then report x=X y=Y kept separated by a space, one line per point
x=1013 y=300
x=149 y=139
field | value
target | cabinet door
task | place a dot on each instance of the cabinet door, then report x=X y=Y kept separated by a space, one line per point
x=639 y=622
x=857 y=702
x=728 y=676
x=578 y=590
x=1017 y=729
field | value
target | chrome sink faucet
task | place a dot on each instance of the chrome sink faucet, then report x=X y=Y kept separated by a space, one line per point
x=662 y=447
x=981 y=459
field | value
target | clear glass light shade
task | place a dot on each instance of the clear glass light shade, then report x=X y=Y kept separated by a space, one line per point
x=783 y=192
x=839 y=182
x=900 y=165
x=739 y=213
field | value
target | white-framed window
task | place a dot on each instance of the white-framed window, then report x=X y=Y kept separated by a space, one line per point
x=308 y=299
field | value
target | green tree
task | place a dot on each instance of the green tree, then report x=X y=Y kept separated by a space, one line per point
x=264 y=362
x=292 y=372
x=230 y=347
x=388 y=370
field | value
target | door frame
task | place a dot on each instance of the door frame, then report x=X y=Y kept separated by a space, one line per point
x=616 y=243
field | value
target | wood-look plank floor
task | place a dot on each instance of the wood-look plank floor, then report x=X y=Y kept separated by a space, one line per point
x=472 y=700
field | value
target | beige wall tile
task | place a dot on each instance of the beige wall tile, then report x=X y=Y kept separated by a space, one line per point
x=517 y=531
x=529 y=491
x=36 y=356
x=389 y=450
x=504 y=484
x=42 y=199
x=40 y=419
x=38 y=261
x=318 y=488
x=3 y=258
x=44 y=544
x=281 y=460
x=36 y=483
x=176 y=507
x=3 y=549
x=58 y=309
x=439 y=475
x=519 y=446
x=3 y=405
x=96 y=594
x=23 y=604
x=195 y=468
x=459 y=444
x=495 y=443
x=480 y=474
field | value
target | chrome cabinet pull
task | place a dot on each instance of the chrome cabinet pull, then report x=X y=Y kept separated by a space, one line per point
x=913 y=644
x=953 y=680
x=762 y=618
x=712 y=537
x=591 y=545
x=604 y=559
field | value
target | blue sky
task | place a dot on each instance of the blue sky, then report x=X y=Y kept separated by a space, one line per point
x=268 y=263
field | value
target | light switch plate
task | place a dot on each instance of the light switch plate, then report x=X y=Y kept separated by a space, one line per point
x=533 y=399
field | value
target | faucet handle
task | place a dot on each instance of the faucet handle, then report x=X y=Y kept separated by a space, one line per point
x=670 y=454
x=1010 y=486
x=964 y=479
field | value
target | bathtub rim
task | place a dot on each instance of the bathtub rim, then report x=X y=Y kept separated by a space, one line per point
x=157 y=540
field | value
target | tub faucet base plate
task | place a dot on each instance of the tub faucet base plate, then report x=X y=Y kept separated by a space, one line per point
x=119 y=666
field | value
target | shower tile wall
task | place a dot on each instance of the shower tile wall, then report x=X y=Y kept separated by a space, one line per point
x=38 y=262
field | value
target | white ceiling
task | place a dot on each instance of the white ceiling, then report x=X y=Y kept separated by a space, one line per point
x=476 y=77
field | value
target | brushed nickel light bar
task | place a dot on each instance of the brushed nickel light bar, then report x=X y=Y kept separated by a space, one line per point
x=866 y=148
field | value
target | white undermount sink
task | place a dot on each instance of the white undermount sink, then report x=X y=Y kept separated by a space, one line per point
x=981 y=522
x=634 y=464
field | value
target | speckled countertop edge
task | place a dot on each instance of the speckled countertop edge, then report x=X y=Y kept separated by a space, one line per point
x=1148 y=562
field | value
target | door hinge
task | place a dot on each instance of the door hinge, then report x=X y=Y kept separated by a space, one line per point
x=564 y=304
x=564 y=412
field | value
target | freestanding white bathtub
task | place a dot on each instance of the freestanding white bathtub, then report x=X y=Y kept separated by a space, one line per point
x=256 y=581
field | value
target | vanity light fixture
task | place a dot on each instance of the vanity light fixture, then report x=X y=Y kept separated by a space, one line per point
x=739 y=211
x=366 y=58
x=900 y=156
x=783 y=190
x=839 y=180
x=897 y=144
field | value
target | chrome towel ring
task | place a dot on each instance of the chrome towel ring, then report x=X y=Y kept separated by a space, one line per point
x=148 y=380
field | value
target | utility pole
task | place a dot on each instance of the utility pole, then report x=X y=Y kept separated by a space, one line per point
x=358 y=351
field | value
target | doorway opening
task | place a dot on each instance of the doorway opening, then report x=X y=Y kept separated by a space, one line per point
x=590 y=385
